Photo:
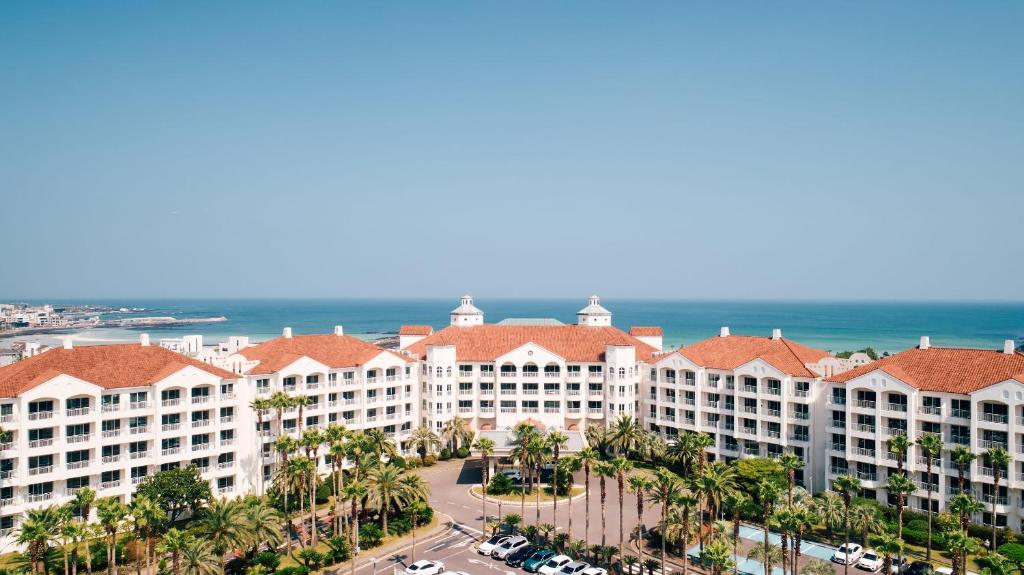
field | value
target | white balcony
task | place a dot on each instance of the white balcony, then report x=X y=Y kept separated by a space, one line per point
x=112 y=458
x=201 y=399
x=169 y=451
x=110 y=407
x=80 y=438
x=40 y=415
x=200 y=423
x=138 y=405
x=42 y=469
x=77 y=412
x=138 y=429
x=141 y=454
x=77 y=464
x=40 y=497
x=40 y=443
x=170 y=402
x=110 y=484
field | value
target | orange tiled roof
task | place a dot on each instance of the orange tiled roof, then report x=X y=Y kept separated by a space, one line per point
x=108 y=366
x=733 y=351
x=637 y=331
x=572 y=342
x=334 y=351
x=945 y=369
x=415 y=330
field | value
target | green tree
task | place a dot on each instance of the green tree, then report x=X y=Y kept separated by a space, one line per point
x=37 y=531
x=626 y=434
x=999 y=459
x=846 y=485
x=424 y=441
x=901 y=487
x=769 y=555
x=485 y=447
x=790 y=462
x=866 y=519
x=899 y=445
x=767 y=492
x=621 y=466
x=386 y=489
x=588 y=457
x=570 y=466
x=818 y=567
x=639 y=485
x=960 y=545
x=751 y=471
x=556 y=441
x=174 y=543
x=962 y=456
x=667 y=487
x=717 y=555
x=888 y=546
x=199 y=558
x=176 y=491
x=223 y=524
x=830 y=508
x=148 y=517
x=111 y=513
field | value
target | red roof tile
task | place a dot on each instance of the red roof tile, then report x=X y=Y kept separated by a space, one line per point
x=637 y=331
x=572 y=342
x=945 y=369
x=733 y=351
x=108 y=366
x=415 y=330
x=334 y=351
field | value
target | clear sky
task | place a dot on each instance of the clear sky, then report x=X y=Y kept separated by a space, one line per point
x=676 y=149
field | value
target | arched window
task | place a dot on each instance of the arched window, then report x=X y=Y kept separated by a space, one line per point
x=622 y=373
x=439 y=371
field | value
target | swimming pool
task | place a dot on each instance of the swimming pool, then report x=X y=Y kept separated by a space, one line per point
x=808 y=548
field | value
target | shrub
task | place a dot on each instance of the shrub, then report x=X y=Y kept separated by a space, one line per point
x=1012 y=551
x=294 y=570
x=500 y=484
x=462 y=452
x=338 y=550
x=267 y=559
x=311 y=558
x=370 y=535
x=323 y=492
x=446 y=454
x=917 y=525
x=429 y=460
x=915 y=537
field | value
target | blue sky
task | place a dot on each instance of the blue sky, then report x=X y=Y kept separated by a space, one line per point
x=837 y=150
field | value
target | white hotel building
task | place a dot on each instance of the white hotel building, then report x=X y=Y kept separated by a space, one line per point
x=107 y=416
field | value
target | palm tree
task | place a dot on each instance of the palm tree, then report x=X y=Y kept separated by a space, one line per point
x=930 y=445
x=223 y=525
x=888 y=546
x=620 y=466
x=539 y=451
x=485 y=447
x=900 y=486
x=512 y=520
x=791 y=462
x=960 y=545
x=355 y=491
x=964 y=505
x=285 y=445
x=454 y=430
x=626 y=434
x=379 y=443
x=261 y=406
x=738 y=503
x=111 y=512
x=174 y=543
x=263 y=524
x=846 y=485
x=603 y=470
x=718 y=556
x=962 y=456
x=280 y=401
x=386 y=489
x=639 y=485
x=556 y=441
x=999 y=459
x=83 y=501
x=312 y=439
x=298 y=477
x=716 y=481
x=37 y=531
x=416 y=509
x=570 y=466
x=199 y=558
x=684 y=506
x=866 y=519
x=999 y=565
x=830 y=509
x=667 y=486
x=300 y=401
x=684 y=452
x=899 y=445
x=148 y=516
x=424 y=441
x=588 y=457
x=767 y=493
x=768 y=554
x=818 y=567
x=337 y=452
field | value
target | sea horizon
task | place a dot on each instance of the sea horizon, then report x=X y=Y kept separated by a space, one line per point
x=834 y=325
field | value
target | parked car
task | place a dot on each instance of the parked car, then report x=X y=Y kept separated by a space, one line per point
x=554 y=564
x=506 y=547
x=899 y=565
x=516 y=558
x=425 y=567
x=486 y=547
x=870 y=561
x=513 y=474
x=573 y=568
x=594 y=571
x=848 y=554
x=537 y=560
x=920 y=568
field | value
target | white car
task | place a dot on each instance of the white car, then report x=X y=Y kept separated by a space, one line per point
x=573 y=568
x=594 y=571
x=848 y=554
x=486 y=547
x=425 y=567
x=513 y=474
x=870 y=561
x=507 y=546
x=554 y=564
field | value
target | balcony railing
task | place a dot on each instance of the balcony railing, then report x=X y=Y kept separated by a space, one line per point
x=930 y=409
x=140 y=454
x=138 y=429
x=40 y=415
x=77 y=464
x=863 y=452
x=138 y=405
x=112 y=458
x=40 y=443
x=170 y=402
x=80 y=438
x=865 y=403
x=77 y=412
x=40 y=469
x=110 y=484
x=995 y=418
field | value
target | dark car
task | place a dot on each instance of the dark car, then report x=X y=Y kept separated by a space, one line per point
x=920 y=568
x=516 y=558
x=539 y=557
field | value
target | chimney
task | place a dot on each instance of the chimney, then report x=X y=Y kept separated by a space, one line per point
x=925 y=342
x=724 y=332
x=776 y=333
x=338 y=330
x=68 y=344
x=144 y=339
x=287 y=333
x=1008 y=347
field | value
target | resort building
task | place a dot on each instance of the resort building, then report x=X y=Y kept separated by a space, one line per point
x=539 y=370
x=754 y=395
x=968 y=397
x=346 y=380
x=107 y=416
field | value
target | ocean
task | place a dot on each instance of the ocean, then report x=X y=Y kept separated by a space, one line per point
x=835 y=326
